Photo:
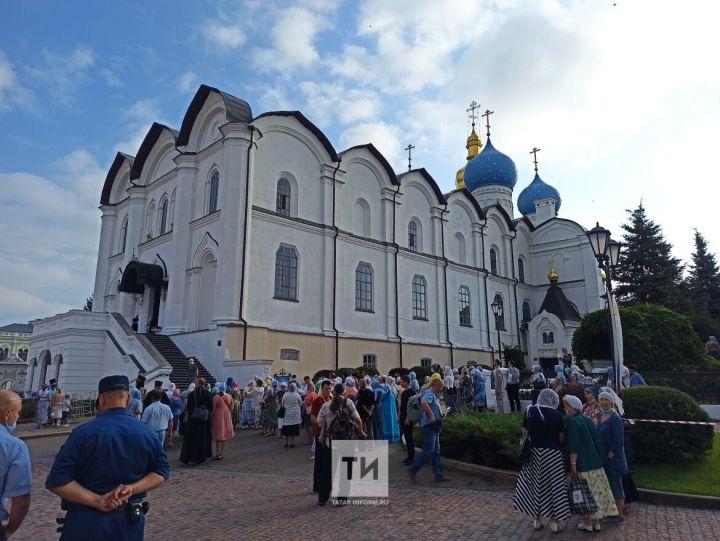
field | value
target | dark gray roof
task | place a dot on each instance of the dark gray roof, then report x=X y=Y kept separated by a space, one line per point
x=18 y=327
x=236 y=110
x=557 y=303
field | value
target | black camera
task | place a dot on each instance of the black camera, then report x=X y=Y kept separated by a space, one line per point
x=135 y=511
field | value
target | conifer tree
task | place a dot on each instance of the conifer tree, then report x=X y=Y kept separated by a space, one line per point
x=703 y=280
x=647 y=272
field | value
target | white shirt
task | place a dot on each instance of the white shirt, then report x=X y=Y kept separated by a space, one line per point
x=157 y=416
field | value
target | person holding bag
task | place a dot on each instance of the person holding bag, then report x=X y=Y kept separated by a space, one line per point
x=197 y=441
x=586 y=468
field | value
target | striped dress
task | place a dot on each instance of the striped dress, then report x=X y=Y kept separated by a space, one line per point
x=541 y=490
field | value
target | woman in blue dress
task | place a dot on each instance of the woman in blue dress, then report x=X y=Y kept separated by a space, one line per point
x=377 y=412
x=388 y=411
x=479 y=387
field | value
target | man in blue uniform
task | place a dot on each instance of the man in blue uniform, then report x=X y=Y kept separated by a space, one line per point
x=104 y=469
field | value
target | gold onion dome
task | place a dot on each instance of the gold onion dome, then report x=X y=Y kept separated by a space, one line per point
x=473 y=147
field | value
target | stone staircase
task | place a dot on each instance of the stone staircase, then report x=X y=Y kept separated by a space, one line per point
x=180 y=374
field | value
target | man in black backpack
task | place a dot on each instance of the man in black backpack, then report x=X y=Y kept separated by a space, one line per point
x=339 y=420
x=406 y=426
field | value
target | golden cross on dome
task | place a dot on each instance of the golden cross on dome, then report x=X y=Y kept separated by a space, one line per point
x=471 y=110
x=487 y=114
x=409 y=149
x=534 y=152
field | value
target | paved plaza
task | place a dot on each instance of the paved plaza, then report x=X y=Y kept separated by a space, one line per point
x=261 y=490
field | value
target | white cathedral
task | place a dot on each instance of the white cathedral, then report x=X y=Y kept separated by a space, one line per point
x=250 y=241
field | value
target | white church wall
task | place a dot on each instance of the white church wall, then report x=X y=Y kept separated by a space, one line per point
x=359 y=323
x=462 y=336
x=284 y=149
x=314 y=284
x=415 y=205
x=362 y=183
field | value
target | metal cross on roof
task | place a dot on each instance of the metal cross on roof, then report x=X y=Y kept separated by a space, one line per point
x=409 y=149
x=534 y=152
x=487 y=114
x=471 y=110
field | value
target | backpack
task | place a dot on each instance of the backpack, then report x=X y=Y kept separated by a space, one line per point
x=413 y=408
x=343 y=426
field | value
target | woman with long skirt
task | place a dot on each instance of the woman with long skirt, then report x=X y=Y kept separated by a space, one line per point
x=197 y=441
x=540 y=491
x=221 y=421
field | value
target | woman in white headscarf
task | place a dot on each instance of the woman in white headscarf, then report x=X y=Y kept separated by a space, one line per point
x=540 y=491
x=248 y=405
x=615 y=399
x=581 y=446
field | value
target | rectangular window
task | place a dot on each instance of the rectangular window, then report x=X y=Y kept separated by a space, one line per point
x=426 y=362
x=363 y=288
x=464 y=305
x=419 y=287
x=370 y=359
x=289 y=355
x=286 y=273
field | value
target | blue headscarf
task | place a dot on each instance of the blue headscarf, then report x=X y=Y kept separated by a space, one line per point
x=228 y=383
x=592 y=390
x=375 y=384
x=349 y=382
x=221 y=388
x=414 y=385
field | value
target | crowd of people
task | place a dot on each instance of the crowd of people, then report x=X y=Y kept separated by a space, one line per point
x=574 y=425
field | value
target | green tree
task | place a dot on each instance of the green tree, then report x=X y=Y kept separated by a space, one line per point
x=703 y=280
x=647 y=272
x=655 y=338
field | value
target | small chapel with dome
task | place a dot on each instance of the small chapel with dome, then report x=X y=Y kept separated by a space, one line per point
x=249 y=243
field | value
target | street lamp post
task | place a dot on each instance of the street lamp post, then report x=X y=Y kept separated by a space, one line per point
x=607 y=253
x=497 y=310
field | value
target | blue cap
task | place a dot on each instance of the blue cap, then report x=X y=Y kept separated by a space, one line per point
x=113 y=383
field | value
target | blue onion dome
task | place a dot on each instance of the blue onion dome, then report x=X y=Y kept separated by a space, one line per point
x=536 y=190
x=490 y=168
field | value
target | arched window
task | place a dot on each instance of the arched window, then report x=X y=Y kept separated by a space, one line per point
x=23 y=354
x=286 y=266
x=500 y=320
x=493 y=262
x=464 y=306
x=527 y=314
x=282 y=200
x=551 y=337
x=419 y=297
x=361 y=218
x=164 y=216
x=4 y=353
x=171 y=212
x=123 y=234
x=364 y=288
x=206 y=300
x=460 y=239
x=413 y=236
x=213 y=192
x=521 y=271
x=149 y=219
x=544 y=338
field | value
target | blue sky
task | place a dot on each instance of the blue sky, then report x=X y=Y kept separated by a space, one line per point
x=622 y=97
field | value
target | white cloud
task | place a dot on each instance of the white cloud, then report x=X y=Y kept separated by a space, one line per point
x=61 y=74
x=50 y=237
x=348 y=105
x=138 y=117
x=11 y=92
x=111 y=78
x=224 y=36
x=275 y=99
x=412 y=48
x=188 y=82
x=385 y=137
x=293 y=41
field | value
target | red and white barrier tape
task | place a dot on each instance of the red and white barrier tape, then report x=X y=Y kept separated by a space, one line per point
x=666 y=421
